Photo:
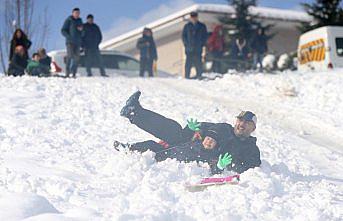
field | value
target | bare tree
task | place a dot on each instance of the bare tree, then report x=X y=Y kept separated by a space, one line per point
x=21 y=14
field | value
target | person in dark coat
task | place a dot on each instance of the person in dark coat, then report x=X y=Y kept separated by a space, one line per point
x=20 y=38
x=92 y=37
x=221 y=145
x=259 y=48
x=44 y=59
x=18 y=62
x=148 y=53
x=194 y=37
x=239 y=52
x=72 y=31
x=215 y=45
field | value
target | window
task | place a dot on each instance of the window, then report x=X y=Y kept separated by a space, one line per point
x=125 y=63
x=339 y=46
x=114 y=62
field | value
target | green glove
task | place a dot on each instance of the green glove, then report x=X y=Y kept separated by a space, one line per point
x=224 y=161
x=193 y=125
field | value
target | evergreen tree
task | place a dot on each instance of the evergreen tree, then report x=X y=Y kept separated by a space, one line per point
x=324 y=13
x=242 y=23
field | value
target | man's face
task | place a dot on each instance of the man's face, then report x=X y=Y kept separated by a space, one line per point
x=194 y=19
x=244 y=128
x=90 y=20
x=76 y=14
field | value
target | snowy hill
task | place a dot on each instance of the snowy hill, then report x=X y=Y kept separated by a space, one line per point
x=57 y=160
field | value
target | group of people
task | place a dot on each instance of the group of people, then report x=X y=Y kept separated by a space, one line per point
x=195 y=38
x=86 y=36
x=19 y=62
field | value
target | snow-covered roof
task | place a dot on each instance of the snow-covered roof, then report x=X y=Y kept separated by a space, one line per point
x=262 y=12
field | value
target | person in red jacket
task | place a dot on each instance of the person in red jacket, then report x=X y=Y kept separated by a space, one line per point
x=215 y=45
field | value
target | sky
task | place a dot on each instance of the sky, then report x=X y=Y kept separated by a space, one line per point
x=117 y=16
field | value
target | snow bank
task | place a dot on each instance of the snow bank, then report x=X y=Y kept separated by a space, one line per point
x=17 y=206
x=56 y=140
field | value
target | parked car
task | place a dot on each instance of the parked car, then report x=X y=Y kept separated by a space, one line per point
x=114 y=63
x=321 y=49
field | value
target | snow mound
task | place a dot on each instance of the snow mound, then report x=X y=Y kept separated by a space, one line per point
x=17 y=206
x=56 y=140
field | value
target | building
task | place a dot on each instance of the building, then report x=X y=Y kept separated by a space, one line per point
x=167 y=32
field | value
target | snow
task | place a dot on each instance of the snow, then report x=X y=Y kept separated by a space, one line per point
x=57 y=160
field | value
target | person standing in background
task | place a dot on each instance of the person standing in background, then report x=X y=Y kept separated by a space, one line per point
x=91 y=39
x=20 y=39
x=18 y=62
x=259 y=48
x=148 y=53
x=72 y=31
x=194 y=37
x=215 y=45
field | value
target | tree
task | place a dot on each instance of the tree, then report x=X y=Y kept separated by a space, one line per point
x=242 y=23
x=21 y=14
x=324 y=13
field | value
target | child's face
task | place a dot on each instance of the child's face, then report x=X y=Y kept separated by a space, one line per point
x=36 y=58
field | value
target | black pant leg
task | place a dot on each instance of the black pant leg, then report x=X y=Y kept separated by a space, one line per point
x=89 y=61
x=147 y=145
x=100 y=62
x=161 y=127
x=142 y=64
x=149 y=67
x=76 y=58
x=188 y=65
x=198 y=64
x=69 y=58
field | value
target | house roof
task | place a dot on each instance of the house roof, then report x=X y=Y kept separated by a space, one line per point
x=262 y=12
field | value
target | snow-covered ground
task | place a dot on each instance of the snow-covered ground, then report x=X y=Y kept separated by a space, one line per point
x=57 y=160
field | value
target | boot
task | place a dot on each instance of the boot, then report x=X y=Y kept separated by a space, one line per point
x=117 y=145
x=131 y=106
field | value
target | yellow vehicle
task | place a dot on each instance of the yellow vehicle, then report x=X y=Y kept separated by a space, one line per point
x=321 y=49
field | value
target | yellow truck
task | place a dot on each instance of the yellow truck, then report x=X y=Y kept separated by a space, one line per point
x=321 y=49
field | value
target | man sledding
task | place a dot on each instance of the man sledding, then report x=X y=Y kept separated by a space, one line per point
x=220 y=145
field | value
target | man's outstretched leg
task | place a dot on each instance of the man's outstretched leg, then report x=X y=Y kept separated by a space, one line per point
x=161 y=127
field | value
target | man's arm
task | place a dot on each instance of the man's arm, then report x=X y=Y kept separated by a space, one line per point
x=251 y=160
x=154 y=50
x=184 y=36
x=65 y=28
x=140 y=44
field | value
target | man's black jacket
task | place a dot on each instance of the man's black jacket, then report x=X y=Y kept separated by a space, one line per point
x=244 y=151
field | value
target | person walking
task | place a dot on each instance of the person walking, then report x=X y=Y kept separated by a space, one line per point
x=148 y=53
x=194 y=37
x=91 y=40
x=72 y=31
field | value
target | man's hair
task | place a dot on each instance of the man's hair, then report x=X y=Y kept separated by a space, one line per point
x=35 y=54
x=194 y=14
x=76 y=9
x=90 y=16
x=42 y=51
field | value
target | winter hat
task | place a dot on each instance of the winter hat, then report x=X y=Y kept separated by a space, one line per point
x=248 y=116
x=194 y=14
x=90 y=16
